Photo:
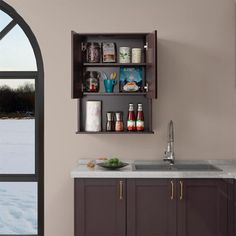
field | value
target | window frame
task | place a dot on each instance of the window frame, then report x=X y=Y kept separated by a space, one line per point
x=38 y=77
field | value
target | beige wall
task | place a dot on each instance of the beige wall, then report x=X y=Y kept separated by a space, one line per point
x=196 y=85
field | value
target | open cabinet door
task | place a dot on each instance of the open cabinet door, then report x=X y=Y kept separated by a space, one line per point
x=151 y=60
x=76 y=70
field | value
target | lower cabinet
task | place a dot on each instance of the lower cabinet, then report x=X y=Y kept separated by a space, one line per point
x=100 y=207
x=153 y=207
x=203 y=208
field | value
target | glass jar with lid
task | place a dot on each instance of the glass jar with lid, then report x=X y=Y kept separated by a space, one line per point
x=91 y=81
x=93 y=52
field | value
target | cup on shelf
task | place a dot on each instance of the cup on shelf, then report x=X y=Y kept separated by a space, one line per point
x=109 y=85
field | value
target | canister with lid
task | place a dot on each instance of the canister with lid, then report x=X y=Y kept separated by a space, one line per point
x=93 y=52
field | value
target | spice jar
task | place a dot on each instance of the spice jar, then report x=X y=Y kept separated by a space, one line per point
x=93 y=52
x=92 y=81
x=119 y=125
x=110 y=125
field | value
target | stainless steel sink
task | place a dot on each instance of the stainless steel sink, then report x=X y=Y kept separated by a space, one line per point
x=176 y=167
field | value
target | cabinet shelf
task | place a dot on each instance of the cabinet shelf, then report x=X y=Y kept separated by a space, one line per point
x=115 y=94
x=114 y=64
x=113 y=132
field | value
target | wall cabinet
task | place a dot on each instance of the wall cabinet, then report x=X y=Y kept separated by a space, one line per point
x=117 y=100
x=160 y=207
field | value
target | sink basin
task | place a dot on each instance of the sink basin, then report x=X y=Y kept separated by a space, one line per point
x=176 y=167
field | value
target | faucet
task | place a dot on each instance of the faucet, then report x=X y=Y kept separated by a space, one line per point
x=169 y=153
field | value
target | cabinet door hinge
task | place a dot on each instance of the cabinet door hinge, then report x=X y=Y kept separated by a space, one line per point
x=146 y=87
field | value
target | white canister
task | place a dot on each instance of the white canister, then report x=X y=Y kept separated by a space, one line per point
x=124 y=54
x=136 y=55
x=93 y=121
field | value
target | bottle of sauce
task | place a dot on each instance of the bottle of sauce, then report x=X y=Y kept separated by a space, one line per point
x=140 y=118
x=131 y=118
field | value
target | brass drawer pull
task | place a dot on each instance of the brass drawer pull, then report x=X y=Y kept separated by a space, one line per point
x=172 y=190
x=181 y=190
x=121 y=190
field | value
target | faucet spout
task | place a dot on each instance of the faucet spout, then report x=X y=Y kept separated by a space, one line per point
x=169 y=153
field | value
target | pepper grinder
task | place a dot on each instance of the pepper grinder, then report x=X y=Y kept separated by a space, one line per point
x=110 y=126
x=119 y=125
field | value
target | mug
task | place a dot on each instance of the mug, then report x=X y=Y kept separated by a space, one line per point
x=109 y=85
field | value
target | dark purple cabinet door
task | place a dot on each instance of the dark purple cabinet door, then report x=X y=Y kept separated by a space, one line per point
x=100 y=207
x=77 y=67
x=202 y=207
x=151 y=60
x=151 y=207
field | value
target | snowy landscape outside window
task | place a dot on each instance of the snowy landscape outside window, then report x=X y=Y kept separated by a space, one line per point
x=21 y=127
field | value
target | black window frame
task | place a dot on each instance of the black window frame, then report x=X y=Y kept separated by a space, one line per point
x=38 y=77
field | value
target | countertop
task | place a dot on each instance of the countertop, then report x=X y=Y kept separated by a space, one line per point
x=228 y=168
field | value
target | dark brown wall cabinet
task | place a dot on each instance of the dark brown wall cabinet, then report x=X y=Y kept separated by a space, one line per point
x=154 y=207
x=116 y=101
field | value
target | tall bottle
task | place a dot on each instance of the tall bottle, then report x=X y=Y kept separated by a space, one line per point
x=131 y=118
x=140 y=118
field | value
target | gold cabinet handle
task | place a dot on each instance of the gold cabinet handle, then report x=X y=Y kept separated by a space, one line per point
x=181 y=190
x=172 y=190
x=121 y=190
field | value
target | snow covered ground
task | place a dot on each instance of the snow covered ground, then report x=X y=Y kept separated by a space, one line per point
x=18 y=201
x=18 y=207
x=17 y=146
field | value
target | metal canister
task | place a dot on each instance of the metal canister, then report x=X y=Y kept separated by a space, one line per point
x=124 y=54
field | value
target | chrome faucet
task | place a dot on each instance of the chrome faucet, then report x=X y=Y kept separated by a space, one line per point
x=169 y=153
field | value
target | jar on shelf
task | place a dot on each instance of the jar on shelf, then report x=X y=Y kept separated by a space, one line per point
x=93 y=52
x=91 y=82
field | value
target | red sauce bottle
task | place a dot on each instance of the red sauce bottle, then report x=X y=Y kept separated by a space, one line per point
x=140 y=119
x=131 y=118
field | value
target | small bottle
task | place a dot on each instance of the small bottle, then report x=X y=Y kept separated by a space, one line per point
x=131 y=118
x=119 y=126
x=110 y=125
x=140 y=118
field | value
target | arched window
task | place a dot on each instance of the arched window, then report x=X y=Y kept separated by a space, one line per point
x=21 y=127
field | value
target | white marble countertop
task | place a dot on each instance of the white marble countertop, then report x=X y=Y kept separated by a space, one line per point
x=228 y=168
